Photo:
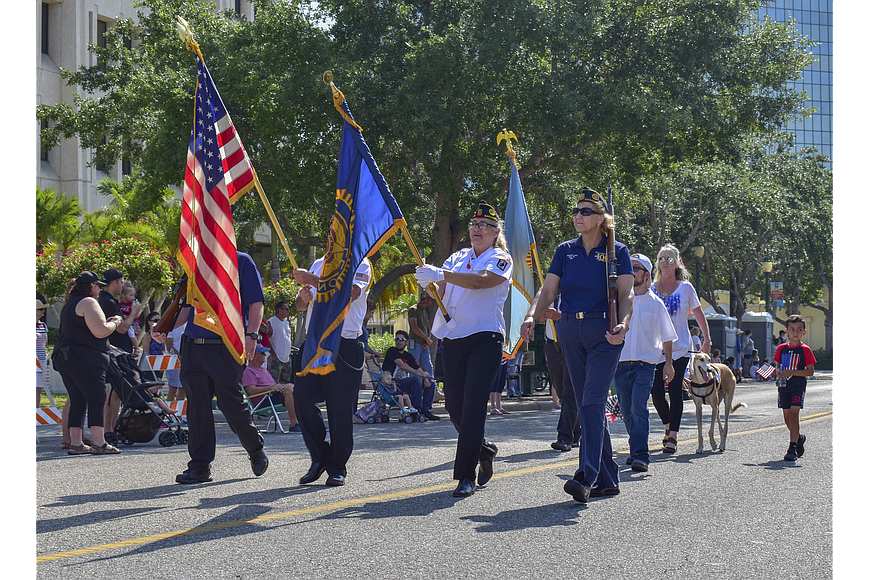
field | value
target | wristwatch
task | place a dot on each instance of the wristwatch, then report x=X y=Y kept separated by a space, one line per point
x=253 y=335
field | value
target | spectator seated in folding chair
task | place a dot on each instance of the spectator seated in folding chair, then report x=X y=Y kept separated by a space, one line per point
x=266 y=397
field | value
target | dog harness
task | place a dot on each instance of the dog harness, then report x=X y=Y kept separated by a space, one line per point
x=714 y=381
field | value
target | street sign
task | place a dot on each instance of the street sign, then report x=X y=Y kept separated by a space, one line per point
x=776 y=292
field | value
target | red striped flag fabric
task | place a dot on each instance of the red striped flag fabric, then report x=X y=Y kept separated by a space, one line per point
x=765 y=370
x=218 y=172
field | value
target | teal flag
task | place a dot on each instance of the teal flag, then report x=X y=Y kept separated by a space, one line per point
x=521 y=245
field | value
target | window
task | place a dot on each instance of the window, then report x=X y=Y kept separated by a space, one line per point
x=44 y=28
x=102 y=27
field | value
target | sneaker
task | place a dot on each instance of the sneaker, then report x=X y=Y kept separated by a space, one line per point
x=791 y=454
x=800 y=445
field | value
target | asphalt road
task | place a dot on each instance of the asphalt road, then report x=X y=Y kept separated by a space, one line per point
x=743 y=513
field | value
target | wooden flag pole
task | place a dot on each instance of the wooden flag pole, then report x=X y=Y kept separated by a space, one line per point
x=274 y=221
x=433 y=289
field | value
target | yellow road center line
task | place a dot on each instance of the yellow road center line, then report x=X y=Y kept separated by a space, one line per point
x=351 y=502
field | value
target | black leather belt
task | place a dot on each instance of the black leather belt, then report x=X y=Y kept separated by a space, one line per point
x=584 y=315
x=204 y=340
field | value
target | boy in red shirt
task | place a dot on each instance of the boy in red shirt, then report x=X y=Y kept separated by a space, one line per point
x=795 y=362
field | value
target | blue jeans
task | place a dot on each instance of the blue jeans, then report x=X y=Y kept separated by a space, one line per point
x=424 y=359
x=591 y=363
x=634 y=380
x=413 y=385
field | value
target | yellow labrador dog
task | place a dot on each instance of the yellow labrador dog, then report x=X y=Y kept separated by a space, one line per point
x=709 y=384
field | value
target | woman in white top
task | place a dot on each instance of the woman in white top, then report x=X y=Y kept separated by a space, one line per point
x=473 y=284
x=673 y=287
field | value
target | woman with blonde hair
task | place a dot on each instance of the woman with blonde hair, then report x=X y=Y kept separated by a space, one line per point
x=473 y=284
x=672 y=285
x=590 y=342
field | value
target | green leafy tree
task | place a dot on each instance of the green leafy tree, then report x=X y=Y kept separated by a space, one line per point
x=598 y=92
x=772 y=204
x=592 y=89
x=57 y=220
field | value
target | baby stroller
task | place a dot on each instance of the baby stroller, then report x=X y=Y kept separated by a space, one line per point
x=141 y=417
x=382 y=394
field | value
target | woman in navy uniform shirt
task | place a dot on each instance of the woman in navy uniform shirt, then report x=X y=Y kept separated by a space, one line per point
x=591 y=347
x=473 y=285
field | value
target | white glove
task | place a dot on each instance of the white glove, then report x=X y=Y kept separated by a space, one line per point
x=428 y=274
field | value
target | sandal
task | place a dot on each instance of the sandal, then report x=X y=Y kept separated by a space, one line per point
x=673 y=442
x=495 y=412
x=503 y=412
x=66 y=444
x=87 y=441
x=79 y=449
x=106 y=449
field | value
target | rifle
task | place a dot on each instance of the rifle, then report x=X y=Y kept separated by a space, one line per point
x=613 y=312
x=167 y=321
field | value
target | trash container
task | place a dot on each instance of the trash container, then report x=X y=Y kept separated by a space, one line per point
x=761 y=325
x=534 y=361
x=723 y=333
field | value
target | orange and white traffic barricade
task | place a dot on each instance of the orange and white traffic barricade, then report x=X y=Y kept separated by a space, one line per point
x=160 y=362
x=46 y=415
x=177 y=406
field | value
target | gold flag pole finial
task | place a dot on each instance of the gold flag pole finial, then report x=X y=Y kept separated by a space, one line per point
x=327 y=80
x=506 y=135
x=338 y=99
x=186 y=35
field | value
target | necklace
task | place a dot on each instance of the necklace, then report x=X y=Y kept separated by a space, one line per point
x=663 y=292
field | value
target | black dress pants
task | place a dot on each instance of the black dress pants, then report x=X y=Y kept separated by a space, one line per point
x=470 y=367
x=208 y=371
x=568 y=430
x=340 y=390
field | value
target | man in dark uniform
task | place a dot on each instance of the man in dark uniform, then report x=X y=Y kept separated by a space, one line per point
x=208 y=370
x=339 y=388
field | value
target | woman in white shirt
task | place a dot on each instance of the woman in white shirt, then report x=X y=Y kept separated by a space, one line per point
x=473 y=284
x=673 y=287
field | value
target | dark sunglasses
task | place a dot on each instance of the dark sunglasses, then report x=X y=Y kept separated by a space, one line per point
x=400 y=339
x=638 y=269
x=584 y=211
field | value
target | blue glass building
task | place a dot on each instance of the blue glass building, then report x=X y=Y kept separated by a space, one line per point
x=812 y=18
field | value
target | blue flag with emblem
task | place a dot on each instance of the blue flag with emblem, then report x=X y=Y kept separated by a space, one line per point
x=521 y=245
x=366 y=214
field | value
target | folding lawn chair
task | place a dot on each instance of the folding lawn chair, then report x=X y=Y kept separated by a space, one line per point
x=266 y=408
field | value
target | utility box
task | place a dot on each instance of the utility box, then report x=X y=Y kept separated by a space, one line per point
x=761 y=325
x=534 y=361
x=723 y=333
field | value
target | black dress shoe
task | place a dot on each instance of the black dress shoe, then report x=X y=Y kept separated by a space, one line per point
x=561 y=446
x=314 y=473
x=193 y=476
x=487 y=452
x=259 y=463
x=430 y=415
x=578 y=490
x=464 y=489
x=335 y=480
x=598 y=491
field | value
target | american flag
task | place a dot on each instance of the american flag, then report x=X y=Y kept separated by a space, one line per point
x=765 y=371
x=218 y=172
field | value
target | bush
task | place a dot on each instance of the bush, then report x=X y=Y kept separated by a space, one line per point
x=284 y=289
x=381 y=342
x=146 y=268
x=824 y=359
